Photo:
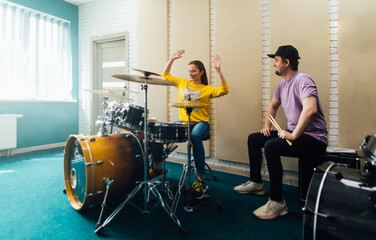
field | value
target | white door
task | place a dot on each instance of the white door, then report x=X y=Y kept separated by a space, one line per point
x=111 y=58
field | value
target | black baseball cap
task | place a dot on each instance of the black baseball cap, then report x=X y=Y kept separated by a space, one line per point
x=286 y=51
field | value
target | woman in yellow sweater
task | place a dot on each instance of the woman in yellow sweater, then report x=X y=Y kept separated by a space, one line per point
x=196 y=89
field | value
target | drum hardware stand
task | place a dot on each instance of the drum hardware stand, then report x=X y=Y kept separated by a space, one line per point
x=369 y=171
x=164 y=183
x=167 y=151
x=187 y=167
x=112 y=114
x=147 y=185
x=369 y=175
x=107 y=184
x=188 y=171
x=307 y=210
x=101 y=121
x=209 y=168
x=102 y=132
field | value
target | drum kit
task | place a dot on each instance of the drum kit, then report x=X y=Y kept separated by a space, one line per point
x=341 y=202
x=97 y=163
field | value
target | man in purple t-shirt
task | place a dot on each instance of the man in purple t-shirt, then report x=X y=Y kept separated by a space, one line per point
x=307 y=131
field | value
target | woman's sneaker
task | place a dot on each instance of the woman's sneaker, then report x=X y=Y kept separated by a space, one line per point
x=271 y=210
x=199 y=189
x=251 y=188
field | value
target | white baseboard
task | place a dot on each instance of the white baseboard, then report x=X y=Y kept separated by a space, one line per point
x=11 y=152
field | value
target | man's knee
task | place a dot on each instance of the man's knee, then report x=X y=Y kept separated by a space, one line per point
x=254 y=138
x=272 y=147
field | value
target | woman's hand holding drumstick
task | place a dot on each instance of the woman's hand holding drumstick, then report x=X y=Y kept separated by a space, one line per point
x=275 y=124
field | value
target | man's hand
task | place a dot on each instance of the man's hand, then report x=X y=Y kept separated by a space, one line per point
x=266 y=131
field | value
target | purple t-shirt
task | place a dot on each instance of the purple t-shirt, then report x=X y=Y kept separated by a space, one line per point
x=291 y=94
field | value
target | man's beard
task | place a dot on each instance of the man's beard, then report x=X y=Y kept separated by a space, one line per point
x=277 y=73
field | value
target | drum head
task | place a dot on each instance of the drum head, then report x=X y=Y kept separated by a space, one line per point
x=77 y=171
x=338 y=205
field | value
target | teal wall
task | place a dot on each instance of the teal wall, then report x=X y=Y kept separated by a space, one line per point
x=48 y=122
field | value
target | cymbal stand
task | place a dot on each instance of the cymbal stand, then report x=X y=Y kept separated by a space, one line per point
x=187 y=168
x=149 y=186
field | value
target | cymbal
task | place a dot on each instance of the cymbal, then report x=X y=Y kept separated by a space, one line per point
x=107 y=93
x=122 y=89
x=146 y=73
x=189 y=104
x=141 y=79
x=152 y=120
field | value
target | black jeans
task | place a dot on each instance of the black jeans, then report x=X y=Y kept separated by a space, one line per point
x=274 y=148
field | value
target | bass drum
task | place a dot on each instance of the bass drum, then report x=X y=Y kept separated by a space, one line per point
x=338 y=205
x=90 y=160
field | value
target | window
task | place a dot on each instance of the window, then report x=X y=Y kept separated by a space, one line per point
x=35 y=55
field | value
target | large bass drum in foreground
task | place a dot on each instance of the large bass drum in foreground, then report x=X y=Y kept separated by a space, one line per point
x=89 y=160
x=338 y=205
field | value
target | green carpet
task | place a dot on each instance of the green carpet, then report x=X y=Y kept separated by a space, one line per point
x=33 y=206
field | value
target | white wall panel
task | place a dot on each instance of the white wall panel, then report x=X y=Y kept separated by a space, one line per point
x=239 y=113
x=152 y=49
x=356 y=76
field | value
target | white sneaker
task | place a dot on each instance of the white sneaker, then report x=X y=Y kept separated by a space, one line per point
x=271 y=210
x=251 y=188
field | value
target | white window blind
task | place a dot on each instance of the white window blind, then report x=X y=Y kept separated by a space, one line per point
x=35 y=55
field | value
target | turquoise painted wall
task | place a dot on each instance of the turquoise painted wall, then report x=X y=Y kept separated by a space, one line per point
x=48 y=122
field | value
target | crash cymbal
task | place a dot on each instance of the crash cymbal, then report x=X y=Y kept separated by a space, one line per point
x=107 y=93
x=141 y=79
x=189 y=104
x=146 y=73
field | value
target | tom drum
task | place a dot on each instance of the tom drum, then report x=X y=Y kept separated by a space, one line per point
x=130 y=116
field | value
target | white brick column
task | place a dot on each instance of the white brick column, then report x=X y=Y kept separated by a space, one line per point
x=333 y=51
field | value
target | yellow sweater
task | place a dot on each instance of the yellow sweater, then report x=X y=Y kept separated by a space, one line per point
x=199 y=93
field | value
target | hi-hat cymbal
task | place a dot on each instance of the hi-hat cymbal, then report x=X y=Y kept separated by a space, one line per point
x=107 y=93
x=189 y=104
x=141 y=79
x=146 y=73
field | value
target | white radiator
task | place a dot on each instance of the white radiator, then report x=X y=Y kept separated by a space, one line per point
x=8 y=131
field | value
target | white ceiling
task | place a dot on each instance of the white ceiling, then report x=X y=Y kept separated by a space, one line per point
x=78 y=2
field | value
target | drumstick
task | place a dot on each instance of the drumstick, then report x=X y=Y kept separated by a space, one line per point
x=275 y=124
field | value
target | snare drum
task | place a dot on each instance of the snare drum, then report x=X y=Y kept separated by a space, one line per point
x=164 y=132
x=129 y=116
x=89 y=160
x=339 y=205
